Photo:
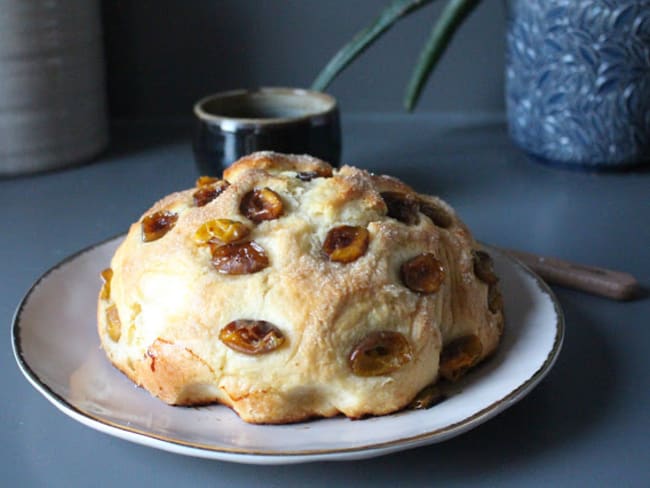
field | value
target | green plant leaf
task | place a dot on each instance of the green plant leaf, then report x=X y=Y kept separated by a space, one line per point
x=443 y=30
x=364 y=38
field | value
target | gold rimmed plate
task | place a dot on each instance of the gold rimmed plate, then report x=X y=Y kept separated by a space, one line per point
x=57 y=349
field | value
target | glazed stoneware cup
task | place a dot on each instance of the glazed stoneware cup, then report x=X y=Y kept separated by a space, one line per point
x=232 y=124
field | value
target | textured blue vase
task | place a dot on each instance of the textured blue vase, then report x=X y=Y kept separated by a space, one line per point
x=578 y=80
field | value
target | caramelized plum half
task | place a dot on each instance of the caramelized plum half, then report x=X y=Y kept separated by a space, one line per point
x=206 y=181
x=238 y=258
x=484 y=268
x=221 y=230
x=157 y=224
x=251 y=336
x=113 y=323
x=208 y=191
x=402 y=206
x=423 y=273
x=437 y=214
x=495 y=299
x=460 y=355
x=346 y=243
x=317 y=173
x=261 y=204
x=380 y=353
x=107 y=276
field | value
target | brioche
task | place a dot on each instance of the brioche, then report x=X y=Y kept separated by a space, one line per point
x=289 y=290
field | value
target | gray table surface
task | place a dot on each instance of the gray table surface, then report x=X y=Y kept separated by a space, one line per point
x=586 y=424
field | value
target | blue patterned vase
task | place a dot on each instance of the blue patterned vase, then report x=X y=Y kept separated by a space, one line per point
x=578 y=80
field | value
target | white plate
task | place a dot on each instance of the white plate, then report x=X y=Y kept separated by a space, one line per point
x=57 y=349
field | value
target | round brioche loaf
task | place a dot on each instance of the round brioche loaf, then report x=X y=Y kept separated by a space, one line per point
x=289 y=290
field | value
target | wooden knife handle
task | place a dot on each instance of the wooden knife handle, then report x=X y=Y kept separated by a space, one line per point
x=598 y=281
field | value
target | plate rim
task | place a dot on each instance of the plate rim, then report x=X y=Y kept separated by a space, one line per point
x=248 y=455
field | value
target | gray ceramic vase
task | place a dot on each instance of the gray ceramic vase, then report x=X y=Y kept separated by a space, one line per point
x=52 y=93
x=578 y=81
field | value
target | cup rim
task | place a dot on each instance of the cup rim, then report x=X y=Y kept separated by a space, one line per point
x=233 y=123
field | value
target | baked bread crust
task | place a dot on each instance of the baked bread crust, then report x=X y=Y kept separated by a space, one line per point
x=173 y=304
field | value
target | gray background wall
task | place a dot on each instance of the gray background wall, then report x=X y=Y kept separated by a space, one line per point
x=162 y=55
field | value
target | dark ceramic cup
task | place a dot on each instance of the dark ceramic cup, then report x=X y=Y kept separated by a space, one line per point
x=232 y=124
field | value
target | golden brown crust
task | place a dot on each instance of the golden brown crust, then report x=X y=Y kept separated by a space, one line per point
x=276 y=162
x=172 y=303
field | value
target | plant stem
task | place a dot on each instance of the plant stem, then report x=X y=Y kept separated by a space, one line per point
x=444 y=29
x=364 y=38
